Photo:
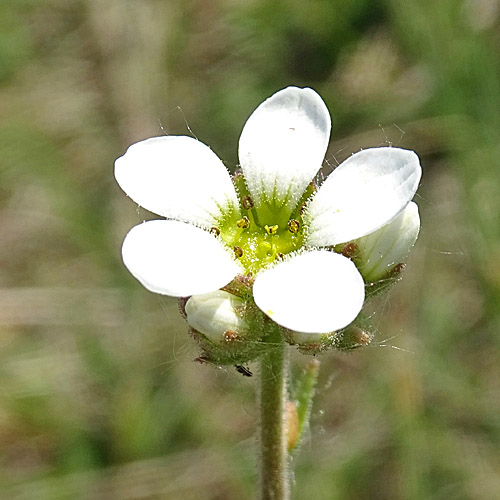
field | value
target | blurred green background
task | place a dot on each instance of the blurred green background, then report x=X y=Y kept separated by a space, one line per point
x=99 y=394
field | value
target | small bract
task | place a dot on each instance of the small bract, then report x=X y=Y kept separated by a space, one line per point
x=268 y=224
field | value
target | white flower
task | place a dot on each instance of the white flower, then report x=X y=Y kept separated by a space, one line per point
x=269 y=222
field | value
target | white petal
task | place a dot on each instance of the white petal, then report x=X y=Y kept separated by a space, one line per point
x=177 y=177
x=283 y=145
x=364 y=193
x=173 y=258
x=381 y=250
x=315 y=292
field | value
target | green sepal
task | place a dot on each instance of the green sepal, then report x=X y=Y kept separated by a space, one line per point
x=240 y=286
x=311 y=344
x=355 y=336
x=383 y=285
x=235 y=351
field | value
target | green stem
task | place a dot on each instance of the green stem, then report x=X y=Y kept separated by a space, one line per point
x=274 y=475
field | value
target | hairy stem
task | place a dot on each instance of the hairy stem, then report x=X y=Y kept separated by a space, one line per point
x=274 y=474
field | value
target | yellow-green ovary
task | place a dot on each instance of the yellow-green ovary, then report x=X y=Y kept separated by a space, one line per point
x=265 y=231
x=260 y=246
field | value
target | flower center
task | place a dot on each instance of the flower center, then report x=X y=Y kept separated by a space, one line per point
x=265 y=233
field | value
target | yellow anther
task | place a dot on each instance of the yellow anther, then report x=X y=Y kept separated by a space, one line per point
x=293 y=226
x=244 y=222
x=247 y=202
x=215 y=230
x=271 y=229
x=238 y=251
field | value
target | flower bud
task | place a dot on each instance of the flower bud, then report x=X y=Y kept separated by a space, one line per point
x=215 y=313
x=224 y=326
x=379 y=253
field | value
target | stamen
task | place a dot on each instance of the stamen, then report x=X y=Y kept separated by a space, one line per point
x=243 y=223
x=293 y=226
x=215 y=230
x=271 y=229
x=247 y=202
x=238 y=251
